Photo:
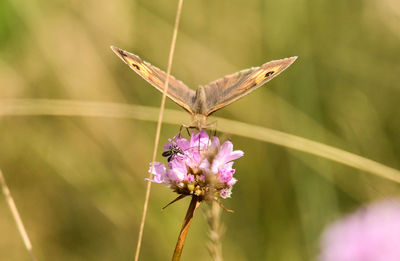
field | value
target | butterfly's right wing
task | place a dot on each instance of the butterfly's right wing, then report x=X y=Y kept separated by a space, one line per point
x=232 y=87
x=177 y=90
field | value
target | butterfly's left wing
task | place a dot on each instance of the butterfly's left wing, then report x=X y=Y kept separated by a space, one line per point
x=226 y=90
x=177 y=90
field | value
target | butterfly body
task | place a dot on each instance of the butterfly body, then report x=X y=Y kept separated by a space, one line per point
x=200 y=101
x=199 y=121
x=209 y=98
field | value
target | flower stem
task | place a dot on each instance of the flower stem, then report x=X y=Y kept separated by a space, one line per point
x=194 y=204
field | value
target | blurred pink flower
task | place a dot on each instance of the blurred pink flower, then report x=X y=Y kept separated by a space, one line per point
x=199 y=166
x=370 y=234
x=159 y=172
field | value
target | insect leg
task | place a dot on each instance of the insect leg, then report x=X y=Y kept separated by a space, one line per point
x=187 y=129
x=180 y=130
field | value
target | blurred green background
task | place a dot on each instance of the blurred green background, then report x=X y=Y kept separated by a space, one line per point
x=79 y=181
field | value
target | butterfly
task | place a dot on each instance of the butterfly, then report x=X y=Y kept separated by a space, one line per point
x=209 y=98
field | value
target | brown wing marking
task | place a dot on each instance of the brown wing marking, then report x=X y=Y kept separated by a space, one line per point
x=177 y=90
x=226 y=90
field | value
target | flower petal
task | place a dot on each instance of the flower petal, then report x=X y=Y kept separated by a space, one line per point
x=226 y=148
x=200 y=140
x=178 y=171
x=226 y=193
x=234 y=155
x=159 y=173
x=182 y=143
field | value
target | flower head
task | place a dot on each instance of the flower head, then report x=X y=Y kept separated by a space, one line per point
x=370 y=234
x=200 y=166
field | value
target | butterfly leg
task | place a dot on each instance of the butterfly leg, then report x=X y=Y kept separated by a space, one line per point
x=198 y=149
x=187 y=129
x=216 y=127
x=209 y=141
x=213 y=126
x=180 y=131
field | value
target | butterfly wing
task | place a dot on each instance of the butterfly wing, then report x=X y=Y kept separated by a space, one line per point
x=177 y=90
x=226 y=90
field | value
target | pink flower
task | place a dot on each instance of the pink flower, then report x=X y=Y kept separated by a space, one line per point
x=200 y=166
x=159 y=173
x=231 y=182
x=177 y=171
x=200 y=141
x=226 y=193
x=177 y=141
x=225 y=155
x=190 y=178
x=226 y=173
x=370 y=234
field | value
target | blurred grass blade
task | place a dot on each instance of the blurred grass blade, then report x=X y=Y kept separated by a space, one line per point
x=16 y=216
x=309 y=146
x=114 y=110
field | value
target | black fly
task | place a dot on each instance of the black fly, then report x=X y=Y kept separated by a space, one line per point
x=172 y=152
